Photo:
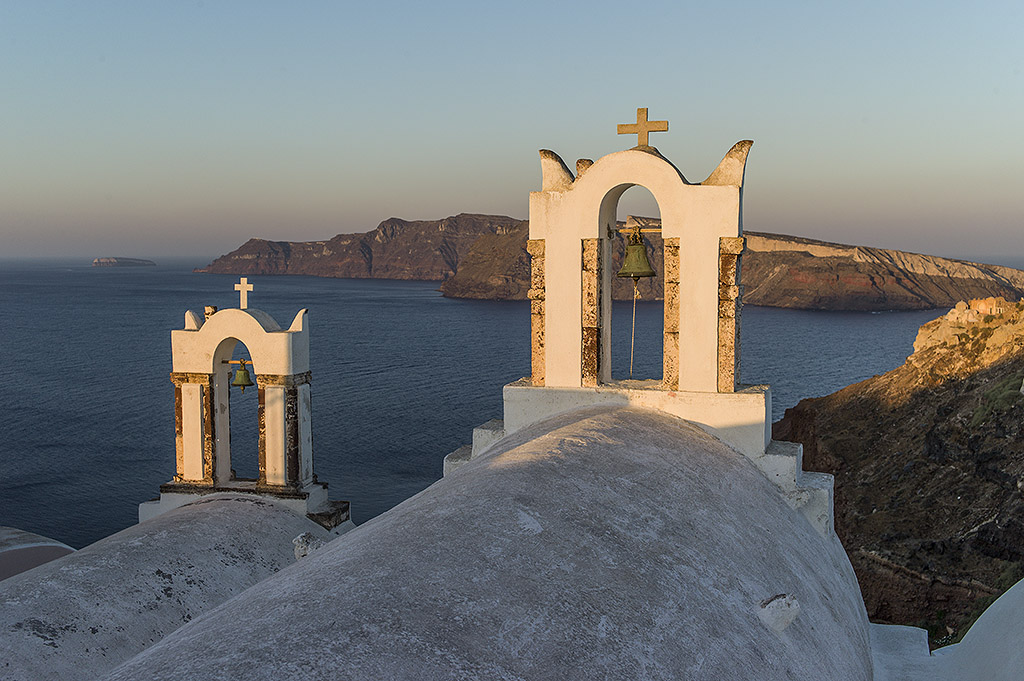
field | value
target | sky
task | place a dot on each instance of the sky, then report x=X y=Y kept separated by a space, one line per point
x=152 y=129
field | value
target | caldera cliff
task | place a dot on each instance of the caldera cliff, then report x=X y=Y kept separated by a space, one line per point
x=484 y=257
x=928 y=462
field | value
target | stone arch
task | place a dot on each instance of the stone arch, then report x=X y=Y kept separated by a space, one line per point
x=608 y=221
x=224 y=464
x=571 y=223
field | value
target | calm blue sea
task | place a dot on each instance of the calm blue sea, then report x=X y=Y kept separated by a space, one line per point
x=400 y=378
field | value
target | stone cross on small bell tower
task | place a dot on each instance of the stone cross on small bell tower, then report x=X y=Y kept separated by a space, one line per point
x=201 y=374
x=243 y=287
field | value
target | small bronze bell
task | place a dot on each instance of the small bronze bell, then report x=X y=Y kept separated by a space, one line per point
x=635 y=264
x=242 y=378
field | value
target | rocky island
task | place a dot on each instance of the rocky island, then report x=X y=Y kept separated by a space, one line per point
x=484 y=257
x=928 y=462
x=122 y=262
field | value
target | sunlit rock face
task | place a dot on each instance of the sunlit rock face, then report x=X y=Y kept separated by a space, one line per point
x=599 y=544
x=79 y=616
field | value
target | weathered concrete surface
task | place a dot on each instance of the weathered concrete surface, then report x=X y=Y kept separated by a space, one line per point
x=21 y=550
x=615 y=544
x=990 y=651
x=79 y=616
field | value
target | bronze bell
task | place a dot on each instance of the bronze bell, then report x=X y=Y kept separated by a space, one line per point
x=242 y=378
x=635 y=264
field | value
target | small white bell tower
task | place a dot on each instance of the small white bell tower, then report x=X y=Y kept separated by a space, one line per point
x=201 y=373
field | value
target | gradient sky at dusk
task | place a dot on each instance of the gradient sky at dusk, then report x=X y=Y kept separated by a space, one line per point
x=183 y=128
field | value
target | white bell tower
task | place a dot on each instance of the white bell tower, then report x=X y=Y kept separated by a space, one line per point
x=201 y=373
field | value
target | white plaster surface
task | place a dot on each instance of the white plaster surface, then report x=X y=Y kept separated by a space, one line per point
x=222 y=424
x=21 y=550
x=740 y=419
x=456 y=459
x=275 y=435
x=305 y=434
x=192 y=430
x=273 y=350
x=615 y=544
x=992 y=649
x=79 y=616
x=486 y=435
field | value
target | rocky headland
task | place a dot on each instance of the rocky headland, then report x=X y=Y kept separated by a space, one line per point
x=928 y=462
x=484 y=257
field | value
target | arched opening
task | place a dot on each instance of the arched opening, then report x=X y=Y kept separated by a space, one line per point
x=634 y=204
x=236 y=417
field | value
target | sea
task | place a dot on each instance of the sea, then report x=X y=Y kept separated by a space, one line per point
x=401 y=375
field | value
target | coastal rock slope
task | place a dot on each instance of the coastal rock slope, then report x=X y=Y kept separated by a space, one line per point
x=484 y=257
x=928 y=462
x=430 y=250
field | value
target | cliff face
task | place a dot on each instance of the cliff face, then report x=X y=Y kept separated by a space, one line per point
x=781 y=271
x=430 y=250
x=484 y=257
x=929 y=466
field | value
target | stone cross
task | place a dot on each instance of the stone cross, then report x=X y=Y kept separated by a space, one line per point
x=642 y=127
x=243 y=287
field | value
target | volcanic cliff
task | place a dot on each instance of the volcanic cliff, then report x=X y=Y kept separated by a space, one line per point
x=928 y=462
x=484 y=257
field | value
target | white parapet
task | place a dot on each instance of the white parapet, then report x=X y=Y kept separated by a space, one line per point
x=740 y=419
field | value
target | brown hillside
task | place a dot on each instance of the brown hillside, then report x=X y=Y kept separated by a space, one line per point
x=929 y=468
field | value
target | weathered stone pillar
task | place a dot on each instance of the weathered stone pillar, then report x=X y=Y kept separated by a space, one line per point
x=286 y=455
x=729 y=303
x=535 y=247
x=590 y=369
x=194 y=429
x=670 y=343
x=261 y=420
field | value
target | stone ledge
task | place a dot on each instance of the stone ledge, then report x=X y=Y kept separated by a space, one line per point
x=486 y=435
x=460 y=456
x=335 y=514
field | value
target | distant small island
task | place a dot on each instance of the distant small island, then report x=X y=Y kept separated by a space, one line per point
x=122 y=262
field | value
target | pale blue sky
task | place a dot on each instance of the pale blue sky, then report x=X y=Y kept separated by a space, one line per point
x=183 y=128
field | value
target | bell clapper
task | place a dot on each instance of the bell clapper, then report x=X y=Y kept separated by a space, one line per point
x=632 y=333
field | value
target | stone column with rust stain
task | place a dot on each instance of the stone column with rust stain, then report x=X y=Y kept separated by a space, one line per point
x=535 y=247
x=261 y=420
x=590 y=365
x=292 y=447
x=729 y=303
x=670 y=361
x=205 y=382
x=209 y=432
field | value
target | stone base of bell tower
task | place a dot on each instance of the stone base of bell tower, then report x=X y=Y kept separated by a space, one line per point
x=741 y=419
x=311 y=501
